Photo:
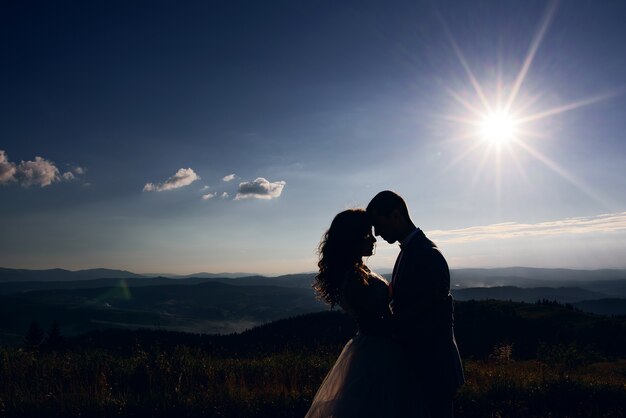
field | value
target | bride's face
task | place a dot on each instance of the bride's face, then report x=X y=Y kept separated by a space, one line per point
x=368 y=244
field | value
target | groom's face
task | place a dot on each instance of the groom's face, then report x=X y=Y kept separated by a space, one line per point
x=384 y=227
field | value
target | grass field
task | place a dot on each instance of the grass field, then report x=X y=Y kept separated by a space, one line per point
x=188 y=381
x=521 y=360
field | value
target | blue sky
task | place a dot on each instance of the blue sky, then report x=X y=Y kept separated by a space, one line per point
x=138 y=112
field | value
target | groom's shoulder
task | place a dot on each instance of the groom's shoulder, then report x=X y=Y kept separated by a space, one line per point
x=426 y=250
x=421 y=242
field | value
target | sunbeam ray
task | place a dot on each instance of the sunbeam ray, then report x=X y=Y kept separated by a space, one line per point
x=522 y=107
x=463 y=155
x=464 y=102
x=573 y=105
x=466 y=67
x=498 y=178
x=532 y=134
x=481 y=164
x=530 y=56
x=569 y=177
x=460 y=119
x=517 y=163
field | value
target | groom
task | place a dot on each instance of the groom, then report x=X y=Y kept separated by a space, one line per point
x=422 y=319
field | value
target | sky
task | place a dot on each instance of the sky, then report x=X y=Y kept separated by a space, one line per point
x=181 y=137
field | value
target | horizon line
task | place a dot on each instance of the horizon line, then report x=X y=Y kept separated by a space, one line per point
x=249 y=274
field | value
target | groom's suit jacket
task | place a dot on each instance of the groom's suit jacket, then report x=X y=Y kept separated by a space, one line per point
x=423 y=314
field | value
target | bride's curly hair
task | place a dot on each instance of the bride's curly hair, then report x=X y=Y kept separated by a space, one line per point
x=340 y=252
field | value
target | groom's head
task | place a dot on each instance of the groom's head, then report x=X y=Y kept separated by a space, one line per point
x=389 y=216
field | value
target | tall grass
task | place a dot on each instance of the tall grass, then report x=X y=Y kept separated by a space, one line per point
x=188 y=381
x=535 y=389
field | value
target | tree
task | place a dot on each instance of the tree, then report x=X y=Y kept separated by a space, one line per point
x=34 y=336
x=54 y=339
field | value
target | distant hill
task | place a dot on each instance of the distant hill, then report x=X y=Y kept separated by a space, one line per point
x=533 y=277
x=302 y=281
x=611 y=279
x=606 y=282
x=218 y=308
x=582 y=299
x=479 y=328
x=208 y=307
x=482 y=325
x=84 y=301
x=603 y=306
x=202 y=275
x=517 y=294
x=60 y=275
x=20 y=287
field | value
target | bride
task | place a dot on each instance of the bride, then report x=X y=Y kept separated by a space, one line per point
x=368 y=379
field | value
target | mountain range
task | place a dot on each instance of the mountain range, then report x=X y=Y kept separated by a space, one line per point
x=468 y=277
x=95 y=299
x=57 y=274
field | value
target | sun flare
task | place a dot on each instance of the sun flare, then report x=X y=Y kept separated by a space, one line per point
x=498 y=127
x=498 y=120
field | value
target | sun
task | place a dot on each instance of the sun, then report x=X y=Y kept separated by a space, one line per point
x=498 y=127
x=498 y=119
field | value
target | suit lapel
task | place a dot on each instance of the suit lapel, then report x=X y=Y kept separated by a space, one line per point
x=411 y=249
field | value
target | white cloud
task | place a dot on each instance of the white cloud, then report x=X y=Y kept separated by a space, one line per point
x=205 y=187
x=208 y=196
x=79 y=170
x=229 y=177
x=7 y=169
x=260 y=189
x=225 y=195
x=609 y=222
x=183 y=177
x=40 y=172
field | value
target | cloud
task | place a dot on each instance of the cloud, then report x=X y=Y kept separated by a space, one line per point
x=205 y=187
x=609 y=222
x=79 y=170
x=183 y=177
x=229 y=177
x=208 y=196
x=40 y=172
x=260 y=189
x=225 y=195
x=7 y=169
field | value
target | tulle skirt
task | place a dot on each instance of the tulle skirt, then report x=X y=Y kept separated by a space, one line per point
x=369 y=379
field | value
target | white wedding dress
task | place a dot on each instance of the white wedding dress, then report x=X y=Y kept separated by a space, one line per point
x=370 y=377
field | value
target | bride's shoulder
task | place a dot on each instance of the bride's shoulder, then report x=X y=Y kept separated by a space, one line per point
x=373 y=276
x=362 y=278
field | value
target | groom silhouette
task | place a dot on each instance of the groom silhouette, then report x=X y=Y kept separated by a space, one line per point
x=422 y=308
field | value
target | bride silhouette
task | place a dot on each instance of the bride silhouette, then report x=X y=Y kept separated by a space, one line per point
x=368 y=379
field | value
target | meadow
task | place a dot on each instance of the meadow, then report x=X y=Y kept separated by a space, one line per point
x=274 y=370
